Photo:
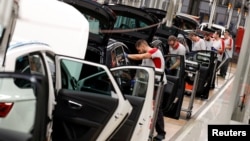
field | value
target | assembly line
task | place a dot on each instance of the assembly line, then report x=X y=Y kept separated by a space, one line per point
x=91 y=71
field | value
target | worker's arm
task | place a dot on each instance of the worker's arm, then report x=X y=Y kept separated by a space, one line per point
x=139 y=56
x=175 y=65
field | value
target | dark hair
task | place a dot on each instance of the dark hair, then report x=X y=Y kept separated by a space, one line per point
x=207 y=34
x=172 y=38
x=140 y=42
x=218 y=32
x=192 y=34
x=227 y=30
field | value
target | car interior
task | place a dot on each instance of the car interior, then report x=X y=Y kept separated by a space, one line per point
x=28 y=64
x=85 y=103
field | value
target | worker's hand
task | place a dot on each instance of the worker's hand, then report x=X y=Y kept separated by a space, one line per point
x=125 y=55
x=168 y=71
x=213 y=49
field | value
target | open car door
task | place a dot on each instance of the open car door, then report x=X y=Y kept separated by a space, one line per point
x=175 y=88
x=208 y=62
x=90 y=105
x=137 y=83
x=38 y=95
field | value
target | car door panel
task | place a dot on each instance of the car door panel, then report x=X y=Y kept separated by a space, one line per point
x=38 y=94
x=139 y=90
x=170 y=92
x=90 y=105
x=81 y=115
x=127 y=129
x=173 y=102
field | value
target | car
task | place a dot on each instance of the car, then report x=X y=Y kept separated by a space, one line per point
x=214 y=27
x=18 y=32
x=100 y=44
x=38 y=109
x=133 y=24
x=88 y=95
x=97 y=109
x=103 y=48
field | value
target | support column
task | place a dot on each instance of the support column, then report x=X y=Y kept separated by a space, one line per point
x=241 y=81
x=170 y=12
x=211 y=18
x=240 y=14
x=230 y=14
x=179 y=6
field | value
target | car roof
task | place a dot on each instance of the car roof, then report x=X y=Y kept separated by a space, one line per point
x=214 y=25
x=213 y=28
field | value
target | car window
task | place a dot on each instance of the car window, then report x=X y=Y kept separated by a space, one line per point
x=87 y=78
x=132 y=82
x=29 y=64
x=124 y=22
x=117 y=58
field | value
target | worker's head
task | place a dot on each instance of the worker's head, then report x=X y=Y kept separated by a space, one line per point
x=226 y=33
x=141 y=46
x=207 y=36
x=172 y=41
x=192 y=36
x=217 y=34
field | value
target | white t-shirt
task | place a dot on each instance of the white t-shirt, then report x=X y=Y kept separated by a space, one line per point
x=199 y=45
x=217 y=44
x=156 y=61
x=208 y=44
x=180 y=49
x=229 y=42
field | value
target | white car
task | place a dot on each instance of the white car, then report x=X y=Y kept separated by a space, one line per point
x=214 y=27
x=89 y=104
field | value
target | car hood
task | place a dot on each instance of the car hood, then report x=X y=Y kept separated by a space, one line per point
x=55 y=23
x=100 y=18
x=133 y=23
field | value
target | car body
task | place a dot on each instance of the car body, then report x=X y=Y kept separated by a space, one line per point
x=214 y=27
x=38 y=92
x=133 y=24
x=100 y=44
x=101 y=47
x=67 y=77
x=28 y=18
x=88 y=96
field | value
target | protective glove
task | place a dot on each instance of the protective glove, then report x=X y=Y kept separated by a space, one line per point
x=125 y=55
x=213 y=49
x=168 y=71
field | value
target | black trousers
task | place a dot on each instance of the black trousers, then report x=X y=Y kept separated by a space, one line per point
x=159 y=125
x=213 y=82
x=224 y=67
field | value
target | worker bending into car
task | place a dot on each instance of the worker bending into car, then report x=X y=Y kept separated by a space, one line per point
x=152 y=57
